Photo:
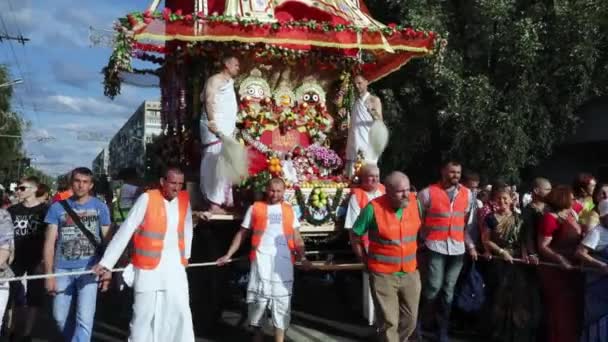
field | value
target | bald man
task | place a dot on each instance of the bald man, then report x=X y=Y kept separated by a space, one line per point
x=392 y=222
x=366 y=109
x=218 y=118
x=370 y=188
x=275 y=245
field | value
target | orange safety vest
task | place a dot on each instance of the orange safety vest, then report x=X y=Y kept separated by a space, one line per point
x=392 y=247
x=361 y=195
x=362 y=201
x=149 y=237
x=259 y=221
x=444 y=219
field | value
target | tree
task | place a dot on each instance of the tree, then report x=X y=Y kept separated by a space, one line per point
x=503 y=86
x=11 y=128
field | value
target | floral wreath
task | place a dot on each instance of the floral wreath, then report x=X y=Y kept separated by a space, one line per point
x=252 y=118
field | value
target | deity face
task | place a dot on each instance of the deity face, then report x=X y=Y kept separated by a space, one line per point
x=311 y=98
x=255 y=92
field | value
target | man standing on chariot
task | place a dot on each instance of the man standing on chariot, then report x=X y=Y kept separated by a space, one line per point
x=218 y=119
x=366 y=109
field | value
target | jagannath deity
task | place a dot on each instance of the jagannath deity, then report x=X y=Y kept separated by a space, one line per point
x=284 y=100
x=255 y=103
x=310 y=108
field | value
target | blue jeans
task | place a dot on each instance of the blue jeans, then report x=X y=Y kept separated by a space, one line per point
x=84 y=287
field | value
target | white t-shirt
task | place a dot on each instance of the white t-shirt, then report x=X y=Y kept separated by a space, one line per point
x=353 y=208
x=273 y=241
x=597 y=238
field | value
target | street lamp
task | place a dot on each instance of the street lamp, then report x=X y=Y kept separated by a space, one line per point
x=11 y=83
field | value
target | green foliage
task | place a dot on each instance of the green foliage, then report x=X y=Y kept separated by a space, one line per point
x=11 y=127
x=503 y=86
x=43 y=177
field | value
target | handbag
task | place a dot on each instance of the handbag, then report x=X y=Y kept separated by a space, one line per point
x=472 y=294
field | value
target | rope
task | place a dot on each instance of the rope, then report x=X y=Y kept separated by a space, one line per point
x=114 y=270
x=316 y=266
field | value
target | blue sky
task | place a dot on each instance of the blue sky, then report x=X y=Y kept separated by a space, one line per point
x=62 y=93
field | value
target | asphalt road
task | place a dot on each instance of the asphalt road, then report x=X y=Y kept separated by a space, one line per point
x=324 y=310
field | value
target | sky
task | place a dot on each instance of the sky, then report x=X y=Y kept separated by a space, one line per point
x=62 y=91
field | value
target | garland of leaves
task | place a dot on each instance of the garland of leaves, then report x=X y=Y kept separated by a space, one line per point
x=331 y=209
x=136 y=19
x=119 y=61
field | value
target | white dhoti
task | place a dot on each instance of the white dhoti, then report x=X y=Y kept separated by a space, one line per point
x=163 y=315
x=161 y=311
x=215 y=187
x=269 y=290
x=358 y=134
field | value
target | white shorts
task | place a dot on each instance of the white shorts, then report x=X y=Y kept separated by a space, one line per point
x=279 y=308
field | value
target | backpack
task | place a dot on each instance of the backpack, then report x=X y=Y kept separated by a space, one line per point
x=472 y=295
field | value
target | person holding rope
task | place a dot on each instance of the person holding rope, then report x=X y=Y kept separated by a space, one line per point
x=445 y=208
x=275 y=245
x=392 y=222
x=75 y=233
x=28 y=219
x=7 y=250
x=593 y=251
x=160 y=224
x=370 y=189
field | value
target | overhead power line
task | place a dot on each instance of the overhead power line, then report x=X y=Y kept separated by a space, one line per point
x=20 y=39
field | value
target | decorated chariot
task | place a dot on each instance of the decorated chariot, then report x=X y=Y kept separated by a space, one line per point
x=297 y=57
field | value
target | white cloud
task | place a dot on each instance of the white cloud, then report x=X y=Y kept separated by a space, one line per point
x=86 y=105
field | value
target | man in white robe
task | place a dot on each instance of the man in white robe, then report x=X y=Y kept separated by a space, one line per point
x=272 y=255
x=218 y=118
x=370 y=189
x=366 y=109
x=161 y=310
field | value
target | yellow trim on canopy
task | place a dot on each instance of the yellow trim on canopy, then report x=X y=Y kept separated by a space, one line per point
x=278 y=41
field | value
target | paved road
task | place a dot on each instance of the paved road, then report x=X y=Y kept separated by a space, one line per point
x=323 y=312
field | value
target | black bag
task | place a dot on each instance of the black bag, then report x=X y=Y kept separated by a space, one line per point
x=472 y=295
x=83 y=229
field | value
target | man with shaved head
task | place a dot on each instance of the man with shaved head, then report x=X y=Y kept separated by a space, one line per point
x=370 y=188
x=275 y=245
x=392 y=222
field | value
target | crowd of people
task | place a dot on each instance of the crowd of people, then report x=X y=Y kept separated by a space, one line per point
x=419 y=249
x=530 y=285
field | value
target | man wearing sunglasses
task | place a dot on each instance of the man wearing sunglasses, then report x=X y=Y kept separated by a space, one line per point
x=28 y=220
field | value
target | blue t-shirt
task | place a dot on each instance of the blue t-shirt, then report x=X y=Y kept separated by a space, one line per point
x=73 y=249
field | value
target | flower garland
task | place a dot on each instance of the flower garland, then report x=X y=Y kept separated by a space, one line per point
x=316 y=119
x=149 y=47
x=344 y=100
x=253 y=117
x=308 y=213
x=137 y=19
x=120 y=60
